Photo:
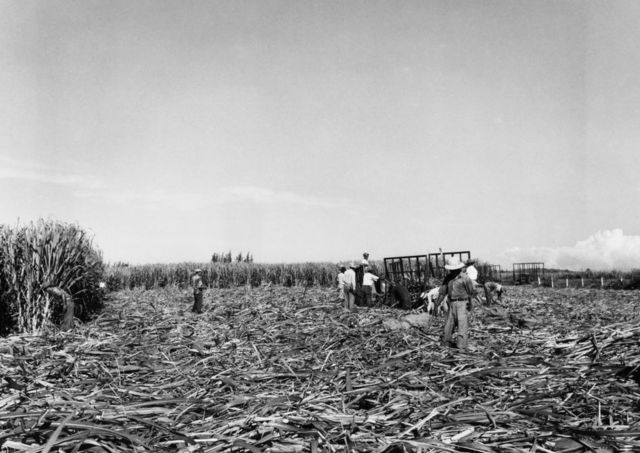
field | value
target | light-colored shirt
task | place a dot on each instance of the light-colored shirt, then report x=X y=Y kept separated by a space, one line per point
x=350 y=279
x=341 y=280
x=472 y=272
x=461 y=287
x=196 y=283
x=364 y=262
x=369 y=279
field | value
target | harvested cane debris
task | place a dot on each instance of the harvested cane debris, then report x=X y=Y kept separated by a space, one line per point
x=288 y=370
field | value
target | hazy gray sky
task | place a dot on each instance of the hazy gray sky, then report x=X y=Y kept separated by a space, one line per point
x=315 y=130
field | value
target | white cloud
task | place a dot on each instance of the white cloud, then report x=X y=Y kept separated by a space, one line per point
x=605 y=250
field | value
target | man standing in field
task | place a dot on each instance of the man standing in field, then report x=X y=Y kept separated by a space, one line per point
x=461 y=290
x=341 y=284
x=198 y=288
x=472 y=272
x=368 y=280
x=365 y=259
x=350 y=287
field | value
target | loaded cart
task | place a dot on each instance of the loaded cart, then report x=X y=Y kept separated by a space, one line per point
x=410 y=271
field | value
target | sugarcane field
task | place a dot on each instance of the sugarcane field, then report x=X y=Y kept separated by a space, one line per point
x=115 y=358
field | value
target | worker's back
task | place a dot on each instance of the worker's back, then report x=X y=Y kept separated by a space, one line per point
x=400 y=296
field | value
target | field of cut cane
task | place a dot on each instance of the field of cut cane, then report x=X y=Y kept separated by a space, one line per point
x=287 y=370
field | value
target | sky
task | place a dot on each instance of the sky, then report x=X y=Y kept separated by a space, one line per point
x=315 y=130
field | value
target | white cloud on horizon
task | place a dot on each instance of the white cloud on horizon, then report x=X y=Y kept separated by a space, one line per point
x=605 y=250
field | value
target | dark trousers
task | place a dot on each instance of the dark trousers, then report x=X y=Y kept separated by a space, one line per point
x=197 y=302
x=368 y=299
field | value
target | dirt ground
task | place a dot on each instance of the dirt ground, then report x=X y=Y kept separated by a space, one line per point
x=288 y=370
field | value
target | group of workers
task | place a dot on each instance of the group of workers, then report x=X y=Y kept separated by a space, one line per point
x=347 y=282
x=455 y=296
x=457 y=293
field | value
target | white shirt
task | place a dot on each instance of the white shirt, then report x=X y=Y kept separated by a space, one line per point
x=349 y=279
x=341 y=280
x=364 y=262
x=368 y=279
x=472 y=272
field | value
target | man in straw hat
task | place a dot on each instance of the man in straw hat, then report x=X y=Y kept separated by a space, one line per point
x=198 y=288
x=460 y=289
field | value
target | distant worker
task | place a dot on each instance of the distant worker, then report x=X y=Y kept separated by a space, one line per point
x=102 y=289
x=341 y=284
x=365 y=259
x=368 y=281
x=350 y=287
x=460 y=289
x=439 y=306
x=198 y=288
x=431 y=299
x=472 y=272
x=399 y=295
x=489 y=289
x=67 y=304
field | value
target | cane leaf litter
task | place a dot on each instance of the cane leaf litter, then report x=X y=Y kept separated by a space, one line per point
x=288 y=370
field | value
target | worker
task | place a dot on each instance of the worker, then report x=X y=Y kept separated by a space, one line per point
x=430 y=298
x=341 y=284
x=350 y=287
x=399 y=296
x=365 y=259
x=460 y=290
x=472 y=272
x=433 y=295
x=368 y=281
x=66 y=302
x=489 y=289
x=198 y=288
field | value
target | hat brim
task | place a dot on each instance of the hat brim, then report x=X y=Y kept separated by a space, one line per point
x=453 y=267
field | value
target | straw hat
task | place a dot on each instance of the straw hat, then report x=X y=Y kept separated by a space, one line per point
x=453 y=263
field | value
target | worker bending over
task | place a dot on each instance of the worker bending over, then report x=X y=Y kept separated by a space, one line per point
x=489 y=289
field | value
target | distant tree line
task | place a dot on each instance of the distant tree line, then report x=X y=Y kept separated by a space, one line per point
x=229 y=258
